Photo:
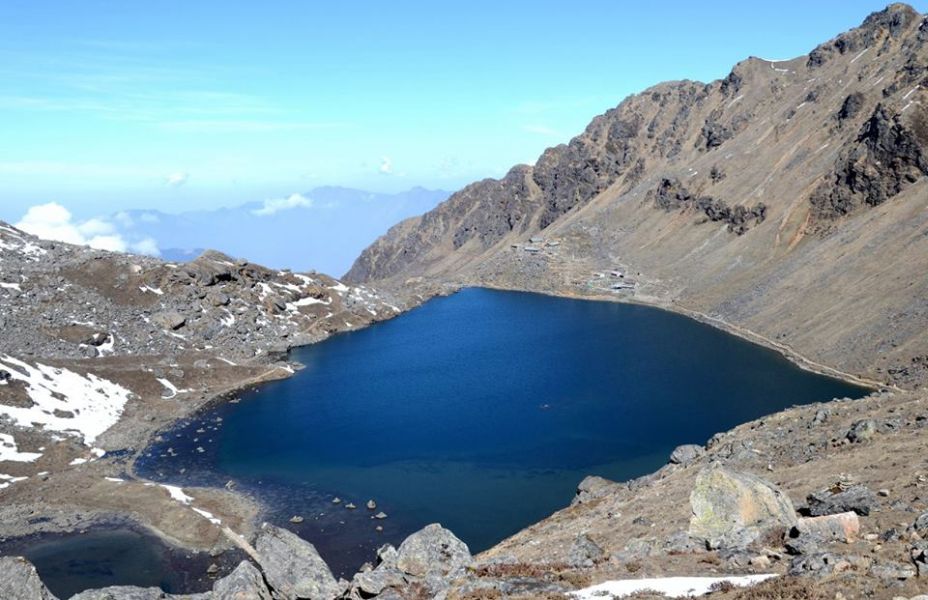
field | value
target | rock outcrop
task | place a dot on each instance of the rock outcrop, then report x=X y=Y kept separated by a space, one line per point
x=244 y=583
x=432 y=550
x=886 y=157
x=19 y=581
x=293 y=568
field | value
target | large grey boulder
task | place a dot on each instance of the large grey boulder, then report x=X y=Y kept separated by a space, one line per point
x=686 y=454
x=432 y=550
x=19 y=581
x=593 y=487
x=293 y=568
x=732 y=509
x=839 y=499
x=373 y=583
x=169 y=320
x=244 y=583
x=584 y=552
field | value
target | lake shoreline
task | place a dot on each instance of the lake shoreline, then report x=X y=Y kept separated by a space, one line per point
x=280 y=371
x=741 y=332
x=715 y=325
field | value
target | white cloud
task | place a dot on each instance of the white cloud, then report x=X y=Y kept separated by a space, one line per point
x=276 y=205
x=386 y=165
x=95 y=227
x=124 y=219
x=177 y=179
x=113 y=243
x=145 y=246
x=53 y=221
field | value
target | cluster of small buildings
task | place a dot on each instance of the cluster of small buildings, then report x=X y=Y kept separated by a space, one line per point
x=618 y=280
x=537 y=244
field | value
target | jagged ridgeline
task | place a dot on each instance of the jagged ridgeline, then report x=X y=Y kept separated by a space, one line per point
x=804 y=175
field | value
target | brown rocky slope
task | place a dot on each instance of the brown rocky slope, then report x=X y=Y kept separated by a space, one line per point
x=786 y=200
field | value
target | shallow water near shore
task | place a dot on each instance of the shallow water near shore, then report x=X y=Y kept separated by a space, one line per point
x=69 y=563
x=481 y=411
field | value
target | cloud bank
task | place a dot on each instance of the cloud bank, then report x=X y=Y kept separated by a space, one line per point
x=386 y=166
x=276 y=205
x=177 y=179
x=53 y=221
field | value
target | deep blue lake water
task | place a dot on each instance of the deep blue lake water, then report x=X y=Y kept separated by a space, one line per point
x=481 y=411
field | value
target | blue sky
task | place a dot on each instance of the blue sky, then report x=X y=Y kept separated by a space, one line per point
x=179 y=104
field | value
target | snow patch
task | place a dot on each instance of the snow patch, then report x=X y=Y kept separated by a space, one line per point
x=177 y=494
x=228 y=320
x=207 y=515
x=673 y=587
x=107 y=346
x=307 y=301
x=87 y=405
x=9 y=451
x=170 y=387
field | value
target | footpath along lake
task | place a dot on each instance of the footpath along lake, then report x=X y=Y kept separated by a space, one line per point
x=481 y=411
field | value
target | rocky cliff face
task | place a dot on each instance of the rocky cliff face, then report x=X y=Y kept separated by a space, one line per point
x=786 y=199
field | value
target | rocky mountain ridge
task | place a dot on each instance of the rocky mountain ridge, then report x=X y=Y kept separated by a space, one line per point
x=786 y=200
x=101 y=350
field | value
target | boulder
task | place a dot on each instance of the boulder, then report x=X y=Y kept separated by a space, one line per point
x=732 y=509
x=169 y=320
x=593 y=487
x=686 y=454
x=292 y=566
x=373 y=583
x=892 y=571
x=810 y=532
x=584 y=552
x=432 y=549
x=919 y=555
x=387 y=555
x=19 y=580
x=920 y=526
x=244 y=583
x=862 y=431
x=839 y=499
x=819 y=564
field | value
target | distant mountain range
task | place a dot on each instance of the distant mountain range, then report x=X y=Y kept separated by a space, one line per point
x=323 y=229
